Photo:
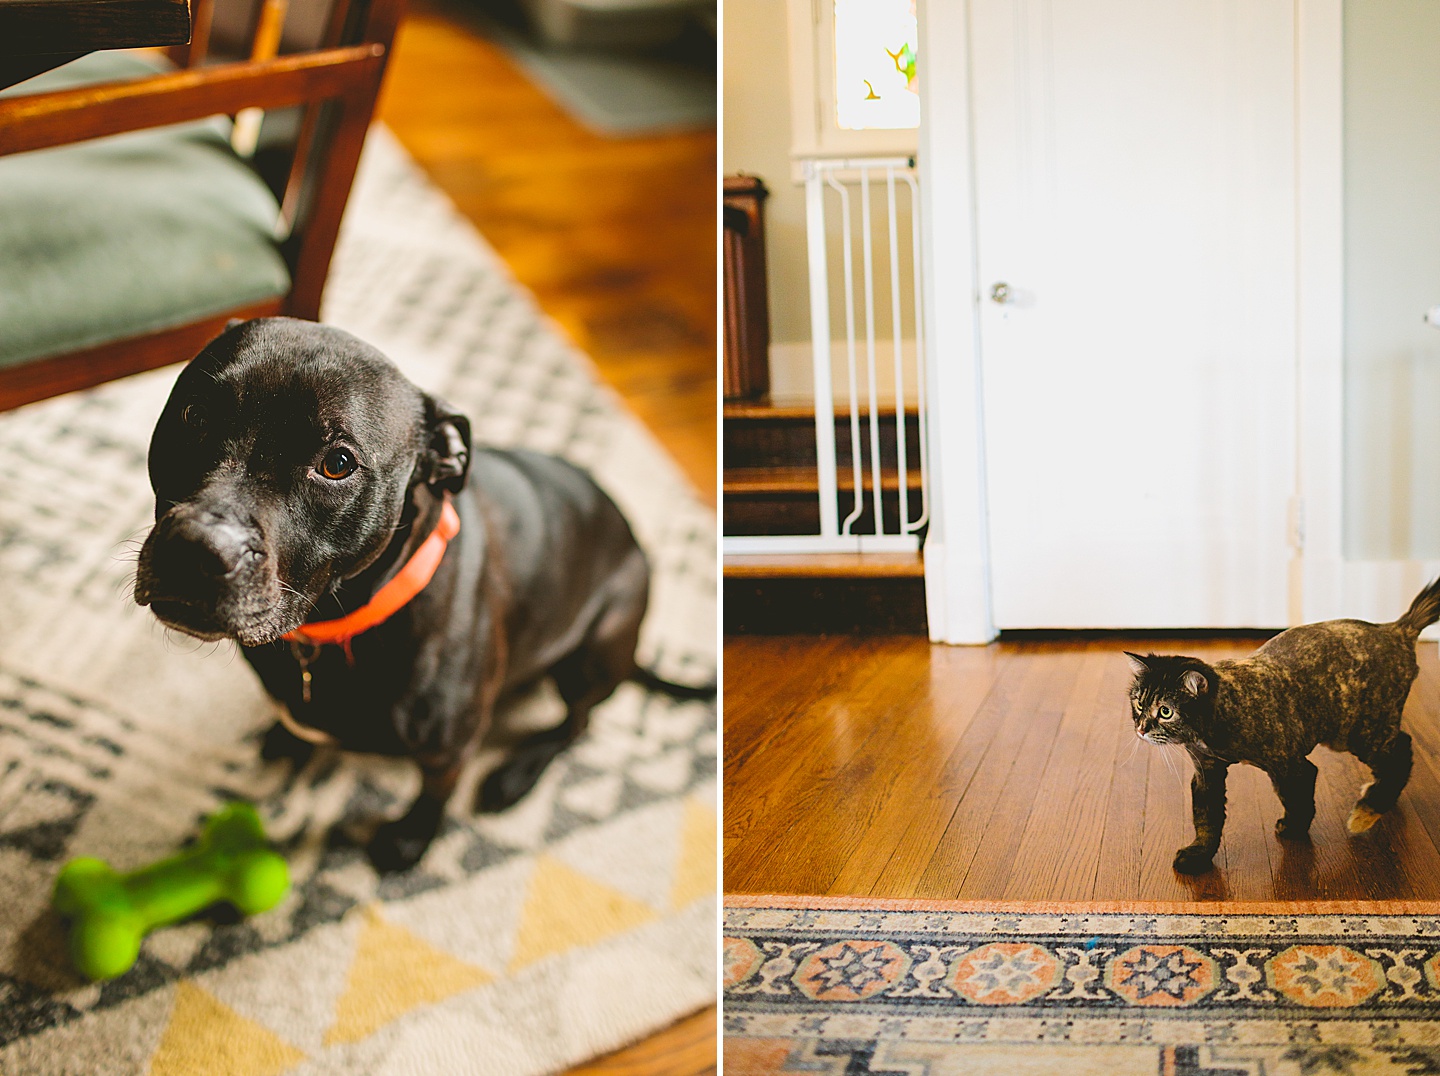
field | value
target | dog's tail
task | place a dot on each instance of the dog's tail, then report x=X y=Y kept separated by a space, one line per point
x=1423 y=611
x=684 y=692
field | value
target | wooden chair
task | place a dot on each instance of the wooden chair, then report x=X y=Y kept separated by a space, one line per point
x=336 y=83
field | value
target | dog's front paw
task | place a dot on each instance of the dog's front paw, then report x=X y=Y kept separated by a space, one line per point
x=1194 y=859
x=397 y=846
x=503 y=788
x=508 y=783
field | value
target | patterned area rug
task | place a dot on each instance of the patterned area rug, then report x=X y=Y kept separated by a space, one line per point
x=850 y=986
x=577 y=921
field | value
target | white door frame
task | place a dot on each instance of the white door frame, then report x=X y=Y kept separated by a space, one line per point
x=1323 y=583
x=1316 y=591
x=957 y=569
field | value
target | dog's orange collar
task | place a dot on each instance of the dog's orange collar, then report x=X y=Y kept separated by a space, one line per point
x=390 y=598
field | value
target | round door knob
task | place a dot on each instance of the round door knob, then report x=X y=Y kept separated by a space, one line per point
x=1000 y=292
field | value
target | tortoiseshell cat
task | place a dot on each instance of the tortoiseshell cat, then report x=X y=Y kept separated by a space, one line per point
x=1342 y=683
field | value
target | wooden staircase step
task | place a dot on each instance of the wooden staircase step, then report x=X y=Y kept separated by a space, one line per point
x=824 y=565
x=740 y=481
x=783 y=435
x=764 y=410
x=805 y=595
x=771 y=486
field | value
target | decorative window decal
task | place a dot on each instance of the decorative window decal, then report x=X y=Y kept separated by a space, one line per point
x=875 y=65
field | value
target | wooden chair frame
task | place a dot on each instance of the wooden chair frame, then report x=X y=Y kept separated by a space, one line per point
x=337 y=83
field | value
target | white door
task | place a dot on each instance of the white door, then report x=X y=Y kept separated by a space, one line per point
x=1136 y=234
x=1370 y=273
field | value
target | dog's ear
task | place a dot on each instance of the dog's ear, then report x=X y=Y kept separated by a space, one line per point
x=447 y=449
x=233 y=322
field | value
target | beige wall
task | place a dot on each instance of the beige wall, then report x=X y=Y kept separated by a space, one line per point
x=757 y=141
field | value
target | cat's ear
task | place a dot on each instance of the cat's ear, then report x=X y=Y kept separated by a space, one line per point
x=1195 y=682
x=1137 y=663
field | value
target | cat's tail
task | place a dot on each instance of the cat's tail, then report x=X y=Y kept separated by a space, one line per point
x=1423 y=611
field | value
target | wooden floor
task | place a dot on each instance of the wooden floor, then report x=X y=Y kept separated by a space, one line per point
x=616 y=239
x=615 y=236
x=889 y=767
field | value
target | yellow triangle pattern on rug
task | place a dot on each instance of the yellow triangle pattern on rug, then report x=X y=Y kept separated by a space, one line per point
x=205 y=1037
x=564 y=909
x=695 y=865
x=393 y=973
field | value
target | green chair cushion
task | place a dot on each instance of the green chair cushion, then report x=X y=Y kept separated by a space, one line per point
x=127 y=235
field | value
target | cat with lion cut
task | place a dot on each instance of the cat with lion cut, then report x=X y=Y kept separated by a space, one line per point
x=1341 y=683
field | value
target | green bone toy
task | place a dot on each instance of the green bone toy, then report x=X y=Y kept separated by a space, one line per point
x=111 y=913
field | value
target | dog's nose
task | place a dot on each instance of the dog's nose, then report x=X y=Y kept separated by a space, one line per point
x=203 y=549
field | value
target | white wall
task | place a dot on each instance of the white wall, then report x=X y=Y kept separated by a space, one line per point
x=1392 y=275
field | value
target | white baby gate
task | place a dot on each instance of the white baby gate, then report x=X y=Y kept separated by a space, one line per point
x=853 y=180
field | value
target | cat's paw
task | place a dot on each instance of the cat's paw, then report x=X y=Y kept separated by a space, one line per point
x=1291 y=830
x=1362 y=818
x=1194 y=859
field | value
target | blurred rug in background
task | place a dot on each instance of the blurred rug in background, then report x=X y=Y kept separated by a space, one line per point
x=853 y=986
x=619 y=92
x=568 y=926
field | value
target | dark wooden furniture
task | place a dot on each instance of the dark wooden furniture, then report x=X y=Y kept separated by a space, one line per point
x=37 y=35
x=337 y=83
x=747 y=314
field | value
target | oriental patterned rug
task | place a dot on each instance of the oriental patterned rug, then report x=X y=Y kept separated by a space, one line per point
x=855 y=986
x=579 y=920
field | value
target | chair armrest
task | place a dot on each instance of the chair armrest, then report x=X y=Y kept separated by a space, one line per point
x=31 y=27
x=42 y=120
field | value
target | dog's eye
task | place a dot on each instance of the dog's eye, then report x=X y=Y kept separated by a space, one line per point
x=194 y=416
x=338 y=463
x=1166 y=713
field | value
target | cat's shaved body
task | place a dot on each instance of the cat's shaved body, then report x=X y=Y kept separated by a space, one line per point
x=1342 y=683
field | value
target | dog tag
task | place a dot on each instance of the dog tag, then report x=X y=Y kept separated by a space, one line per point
x=304 y=654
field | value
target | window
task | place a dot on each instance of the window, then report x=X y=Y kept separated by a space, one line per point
x=853 y=88
x=875 y=62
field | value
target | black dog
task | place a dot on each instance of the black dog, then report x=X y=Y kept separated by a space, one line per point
x=300 y=480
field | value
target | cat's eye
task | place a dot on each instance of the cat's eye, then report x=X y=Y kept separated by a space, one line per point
x=338 y=463
x=1165 y=713
x=195 y=417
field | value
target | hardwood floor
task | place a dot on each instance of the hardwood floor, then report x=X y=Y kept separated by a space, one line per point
x=616 y=239
x=686 y=1049
x=886 y=766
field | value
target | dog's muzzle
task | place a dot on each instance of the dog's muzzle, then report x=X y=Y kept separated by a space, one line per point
x=201 y=572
